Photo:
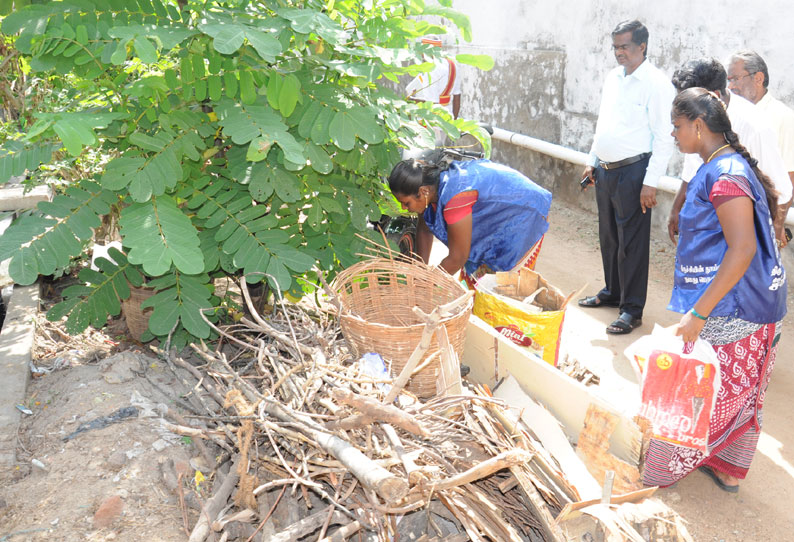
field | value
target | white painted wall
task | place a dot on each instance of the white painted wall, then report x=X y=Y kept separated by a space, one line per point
x=680 y=30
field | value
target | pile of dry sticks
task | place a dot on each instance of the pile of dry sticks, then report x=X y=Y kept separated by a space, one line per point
x=305 y=446
x=318 y=448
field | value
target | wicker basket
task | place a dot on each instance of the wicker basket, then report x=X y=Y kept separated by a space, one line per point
x=377 y=296
x=137 y=318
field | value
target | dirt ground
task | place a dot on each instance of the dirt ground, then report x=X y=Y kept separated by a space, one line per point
x=114 y=483
x=58 y=487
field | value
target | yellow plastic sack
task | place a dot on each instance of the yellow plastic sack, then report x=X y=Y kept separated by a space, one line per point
x=538 y=333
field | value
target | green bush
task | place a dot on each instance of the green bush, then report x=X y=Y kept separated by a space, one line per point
x=234 y=138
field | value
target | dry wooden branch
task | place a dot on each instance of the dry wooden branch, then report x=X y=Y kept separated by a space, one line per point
x=214 y=505
x=415 y=473
x=243 y=516
x=205 y=453
x=356 y=421
x=504 y=460
x=217 y=397
x=373 y=409
x=188 y=431
x=539 y=508
x=308 y=525
x=389 y=487
x=343 y=532
x=416 y=356
x=431 y=323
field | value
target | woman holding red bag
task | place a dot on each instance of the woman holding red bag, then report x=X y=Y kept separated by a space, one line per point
x=729 y=284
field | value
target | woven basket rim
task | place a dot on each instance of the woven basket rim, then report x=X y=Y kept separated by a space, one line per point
x=390 y=265
x=353 y=316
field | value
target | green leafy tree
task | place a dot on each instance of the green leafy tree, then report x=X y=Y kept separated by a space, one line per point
x=236 y=137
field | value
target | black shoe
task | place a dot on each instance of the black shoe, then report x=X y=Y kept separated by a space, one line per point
x=624 y=324
x=595 y=301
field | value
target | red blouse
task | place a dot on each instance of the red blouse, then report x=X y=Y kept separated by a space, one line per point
x=729 y=187
x=460 y=206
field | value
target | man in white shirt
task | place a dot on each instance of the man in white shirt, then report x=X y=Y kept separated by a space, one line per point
x=440 y=86
x=754 y=133
x=748 y=76
x=631 y=149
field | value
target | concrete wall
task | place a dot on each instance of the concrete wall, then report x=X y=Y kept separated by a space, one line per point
x=552 y=57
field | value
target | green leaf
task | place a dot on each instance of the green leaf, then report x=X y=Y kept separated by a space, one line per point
x=146 y=52
x=231 y=84
x=265 y=44
x=228 y=36
x=16 y=159
x=77 y=129
x=343 y=131
x=267 y=178
x=244 y=123
x=24 y=267
x=160 y=234
x=98 y=297
x=320 y=161
x=483 y=62
x=74 y=135
x=289 y=94
x=314 y=214
x=307 y=21
x=81 y=34
x=186 y=70
x=171 y=79
x=274 y=90
x=158 y=172
x=346 y=125
x=164 y=317
x=277 y=274
x=321 y=130
x=215 y=87
x=293 y=258
x=228 y=39
x=310 y=115
x=258 y=149
x=247 y=87
x=120 y=54
x=40 y=245
x=331 y=205
x=460 y=20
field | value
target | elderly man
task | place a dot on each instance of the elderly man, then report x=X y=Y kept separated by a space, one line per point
x=631 y=149
x=748 y=76
x=753 y=130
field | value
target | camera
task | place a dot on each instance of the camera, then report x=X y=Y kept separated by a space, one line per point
x=585 y=182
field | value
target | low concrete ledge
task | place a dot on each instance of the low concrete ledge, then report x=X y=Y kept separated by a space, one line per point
x=14 y=198
x=16 y=346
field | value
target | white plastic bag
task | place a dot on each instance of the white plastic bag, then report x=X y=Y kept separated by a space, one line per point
x=372 y=365
x=680 y=382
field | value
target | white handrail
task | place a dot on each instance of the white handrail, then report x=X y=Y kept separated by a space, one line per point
x=666 y=183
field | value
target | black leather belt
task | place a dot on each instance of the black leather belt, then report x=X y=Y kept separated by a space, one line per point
x=625 y=162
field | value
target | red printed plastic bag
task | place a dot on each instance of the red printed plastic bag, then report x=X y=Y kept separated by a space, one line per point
x=680 y=383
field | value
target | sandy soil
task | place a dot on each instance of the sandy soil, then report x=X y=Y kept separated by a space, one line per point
x=58 y=487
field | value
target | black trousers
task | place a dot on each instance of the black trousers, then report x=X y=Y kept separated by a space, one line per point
x=625 y=234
